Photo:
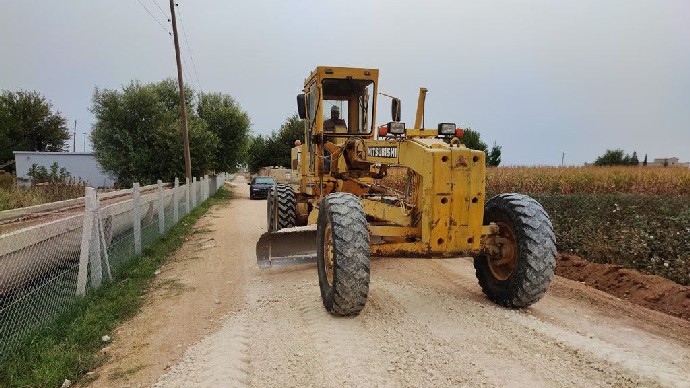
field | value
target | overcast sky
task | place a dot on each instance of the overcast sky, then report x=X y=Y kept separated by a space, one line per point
x=537 y=77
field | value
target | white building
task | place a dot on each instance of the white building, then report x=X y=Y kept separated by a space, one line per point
x=81 y=166
x=668 y=162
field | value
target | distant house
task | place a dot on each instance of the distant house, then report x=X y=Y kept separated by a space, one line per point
x=82 y=166
x=668 y=162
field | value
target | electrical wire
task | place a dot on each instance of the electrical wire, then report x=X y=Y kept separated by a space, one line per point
x=170 y=34
x=165 y=15
x=155 y=18
x=191 y=56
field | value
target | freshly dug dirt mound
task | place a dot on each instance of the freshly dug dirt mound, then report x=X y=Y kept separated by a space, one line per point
x=650 y=291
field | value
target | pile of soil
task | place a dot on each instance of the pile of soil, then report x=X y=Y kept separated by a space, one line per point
x=650 y=291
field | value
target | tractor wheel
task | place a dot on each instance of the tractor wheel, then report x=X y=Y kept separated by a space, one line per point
x=271 y=212
x=281 y=208
x=519 y=272
x=342 y=245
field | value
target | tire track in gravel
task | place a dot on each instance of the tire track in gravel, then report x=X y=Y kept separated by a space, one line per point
x=614 y=341
x=282 y=347
x=547 y=349
x=344 y=343
x=218 y=360
x=414 y=356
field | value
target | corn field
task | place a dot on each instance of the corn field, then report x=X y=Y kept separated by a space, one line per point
x=589 y=180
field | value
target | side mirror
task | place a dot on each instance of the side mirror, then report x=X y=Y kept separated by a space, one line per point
x=301 y=106
x=395 y=109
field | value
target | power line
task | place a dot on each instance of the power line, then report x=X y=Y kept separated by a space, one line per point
x=191 y=56
x=187 y=74
x=165 y=15
x=189 y=49
x=154 y=18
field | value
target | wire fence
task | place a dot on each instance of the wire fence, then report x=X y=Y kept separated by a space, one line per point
x=47 y=266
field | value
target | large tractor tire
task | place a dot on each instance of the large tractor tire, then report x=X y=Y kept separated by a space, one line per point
x=520 y=271
x=343 y=262
x=281 y=208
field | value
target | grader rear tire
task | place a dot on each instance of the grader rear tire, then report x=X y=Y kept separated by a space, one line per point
x=342 y=258
x=520 y=275
x=281 y=208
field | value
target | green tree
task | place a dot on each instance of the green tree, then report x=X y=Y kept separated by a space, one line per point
x=137 y=136
x=226 y=119
x=291 y=130
x=28 y=123
x=472 y=140
x=258 y=154
x=493 y=159
x=617 y=157
x=275 y=150
x=633 y=159
x=644 y=163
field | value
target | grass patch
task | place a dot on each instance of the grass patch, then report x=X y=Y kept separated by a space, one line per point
x=67 y=347
x=15 y=197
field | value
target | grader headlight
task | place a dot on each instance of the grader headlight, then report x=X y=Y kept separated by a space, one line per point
x=446 y=129
x=396 y=128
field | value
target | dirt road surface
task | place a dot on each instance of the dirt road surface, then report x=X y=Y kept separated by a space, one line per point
x=213 y=319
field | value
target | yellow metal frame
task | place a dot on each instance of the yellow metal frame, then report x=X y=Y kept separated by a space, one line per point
x=444 y=217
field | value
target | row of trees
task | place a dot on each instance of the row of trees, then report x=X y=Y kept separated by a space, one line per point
x=618 y=157
x=136 y=135
x=275 y=149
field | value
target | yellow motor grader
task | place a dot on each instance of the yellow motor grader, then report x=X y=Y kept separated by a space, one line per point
x=342 y=212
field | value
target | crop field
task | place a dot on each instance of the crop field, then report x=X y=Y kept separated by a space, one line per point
x=634 y=217
x=589 y=180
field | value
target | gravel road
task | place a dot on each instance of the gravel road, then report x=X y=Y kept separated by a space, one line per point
x=214 y=319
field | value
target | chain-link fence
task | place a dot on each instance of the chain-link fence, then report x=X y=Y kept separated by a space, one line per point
x=48 y=264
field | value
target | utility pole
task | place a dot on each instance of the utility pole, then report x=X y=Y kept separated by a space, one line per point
x=84 y=133
x=183 y=108
x=74 y=138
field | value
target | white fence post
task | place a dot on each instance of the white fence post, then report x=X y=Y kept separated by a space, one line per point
x=87 y=235
x=206 y=189
x=187 y=194
x=161 y=209
x=176 y=199
x=136 y=218
x=194 y=188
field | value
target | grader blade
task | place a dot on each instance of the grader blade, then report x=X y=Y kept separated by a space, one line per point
x=286 y=247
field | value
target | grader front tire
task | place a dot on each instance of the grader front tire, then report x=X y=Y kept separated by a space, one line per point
x=343 y=261
x=520 y=274
x=281 y=208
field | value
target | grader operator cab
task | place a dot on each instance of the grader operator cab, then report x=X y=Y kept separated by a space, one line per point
x=340 y=214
